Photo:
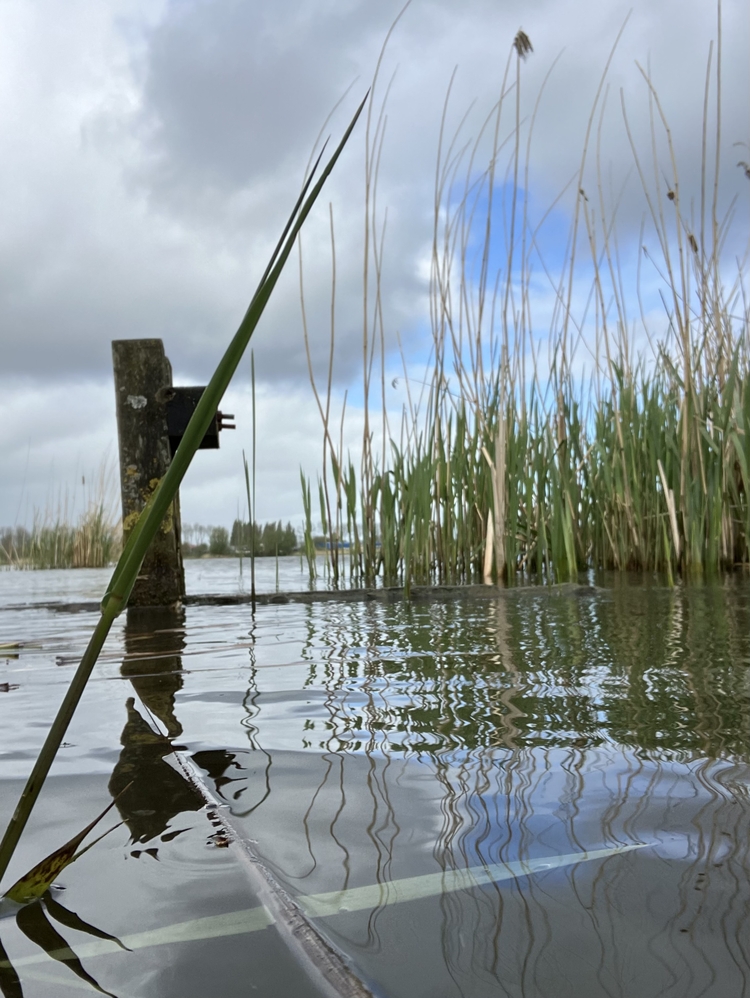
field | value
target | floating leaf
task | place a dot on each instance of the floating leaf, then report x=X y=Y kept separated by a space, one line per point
x=38 y=880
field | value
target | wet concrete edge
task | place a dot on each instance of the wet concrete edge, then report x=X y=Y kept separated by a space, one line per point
x=386 y=594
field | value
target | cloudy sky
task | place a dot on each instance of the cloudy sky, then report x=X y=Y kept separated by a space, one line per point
x=151 y=150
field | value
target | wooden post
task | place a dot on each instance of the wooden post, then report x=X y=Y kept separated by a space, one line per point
x=143 y=379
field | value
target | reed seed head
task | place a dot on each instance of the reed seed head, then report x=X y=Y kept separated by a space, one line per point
x=522 y=44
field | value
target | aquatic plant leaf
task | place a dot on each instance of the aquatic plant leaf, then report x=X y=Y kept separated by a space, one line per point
x=39 y=879
x=35 y=925
x=10 y=983
x=71 y=920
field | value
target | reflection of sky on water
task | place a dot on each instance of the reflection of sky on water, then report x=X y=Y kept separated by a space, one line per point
x=360 y=744
x=202 y=575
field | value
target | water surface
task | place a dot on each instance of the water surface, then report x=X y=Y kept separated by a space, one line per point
x=586 y=747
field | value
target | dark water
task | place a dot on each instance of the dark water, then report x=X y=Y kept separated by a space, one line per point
x=581 y=752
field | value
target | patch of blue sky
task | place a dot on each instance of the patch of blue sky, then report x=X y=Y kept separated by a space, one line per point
x=518 y=266
x=517 y=254
x=619 y=284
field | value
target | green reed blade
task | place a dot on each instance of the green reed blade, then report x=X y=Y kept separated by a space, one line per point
x=128 y=566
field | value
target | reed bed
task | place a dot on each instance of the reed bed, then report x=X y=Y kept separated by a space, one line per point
x=92 y=542
x=552 y=452
x=60 y=538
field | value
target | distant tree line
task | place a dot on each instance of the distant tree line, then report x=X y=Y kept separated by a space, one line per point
x=19 y=546
x=266 y=541
x=270 y=539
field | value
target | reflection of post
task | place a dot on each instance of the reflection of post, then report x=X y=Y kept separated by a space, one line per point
x=143 y=377
x=154 y=638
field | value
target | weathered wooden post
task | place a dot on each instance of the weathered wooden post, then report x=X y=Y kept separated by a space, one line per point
x=143 y=387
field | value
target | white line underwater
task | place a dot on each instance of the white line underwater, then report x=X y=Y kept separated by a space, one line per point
x=337 y=902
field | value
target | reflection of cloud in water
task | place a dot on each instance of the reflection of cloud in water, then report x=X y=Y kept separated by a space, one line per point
x=333 y=823
x=450 y=736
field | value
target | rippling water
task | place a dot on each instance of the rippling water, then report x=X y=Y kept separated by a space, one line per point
x=581 y=751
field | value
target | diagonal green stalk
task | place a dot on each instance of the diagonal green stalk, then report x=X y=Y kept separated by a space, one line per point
x=252 y=523
x=127 y=568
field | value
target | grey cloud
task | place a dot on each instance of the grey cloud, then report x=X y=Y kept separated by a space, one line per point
x=236 y=90
x=154 y=210
x=152 y=151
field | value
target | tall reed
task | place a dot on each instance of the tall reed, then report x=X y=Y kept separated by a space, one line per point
x=506 y=462
x=60 y=537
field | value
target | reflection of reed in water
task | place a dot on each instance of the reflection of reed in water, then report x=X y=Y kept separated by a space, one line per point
x=154 y=639
x=376 y=815
x=507 y=711
x=587 y=720
x=251 y=708
x=35 y=922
